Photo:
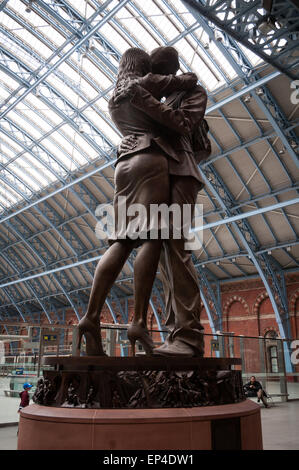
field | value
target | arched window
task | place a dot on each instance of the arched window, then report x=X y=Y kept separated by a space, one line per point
x=271 y=351
x=273 y=359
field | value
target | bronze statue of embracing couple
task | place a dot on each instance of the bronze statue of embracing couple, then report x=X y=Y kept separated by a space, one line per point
x=157 y=164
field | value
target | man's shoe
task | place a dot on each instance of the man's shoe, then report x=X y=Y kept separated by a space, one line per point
x=176 y=348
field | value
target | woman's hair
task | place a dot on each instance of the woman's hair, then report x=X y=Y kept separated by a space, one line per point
x=134 y=62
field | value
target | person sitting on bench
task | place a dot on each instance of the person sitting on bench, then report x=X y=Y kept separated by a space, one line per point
x=253 y=388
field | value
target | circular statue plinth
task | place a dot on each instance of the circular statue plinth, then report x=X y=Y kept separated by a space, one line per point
x=235 y=426
x=139 y=382
x=140 y=403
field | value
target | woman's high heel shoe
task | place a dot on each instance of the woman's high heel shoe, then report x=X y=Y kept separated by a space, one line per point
x=141 y=334
x=92 y=333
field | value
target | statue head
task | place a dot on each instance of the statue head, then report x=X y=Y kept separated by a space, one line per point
x=134 y=61
x=165 y=60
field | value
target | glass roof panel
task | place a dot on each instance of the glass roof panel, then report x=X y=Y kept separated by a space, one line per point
x=35 y=117
x=5 y=153
x=7 y=84
x=8 y=142
x=51 y=117
x=57 y=111
x=7 y=195
x=35 y=168
x=17 y=184
x=71 y=134
x=65 y=151
x=21 y=169
x=24 y=124
x=136 y=26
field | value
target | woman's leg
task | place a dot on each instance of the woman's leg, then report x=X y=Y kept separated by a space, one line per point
x=106 y=272
x=105 y=275
x=145 y=268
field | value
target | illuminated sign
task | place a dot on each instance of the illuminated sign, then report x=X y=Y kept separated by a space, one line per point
x=214 y=345
x=49 y=338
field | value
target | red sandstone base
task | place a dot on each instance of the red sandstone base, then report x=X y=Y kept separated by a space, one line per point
x=236 y=426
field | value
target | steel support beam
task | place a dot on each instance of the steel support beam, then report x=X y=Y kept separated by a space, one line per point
x=211 y=303
x=79 y=43
x=263 y=265
x=246 y=215
x=230 y=219
x=238 y=19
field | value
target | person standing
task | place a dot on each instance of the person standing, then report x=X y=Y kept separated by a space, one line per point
x=24 y=395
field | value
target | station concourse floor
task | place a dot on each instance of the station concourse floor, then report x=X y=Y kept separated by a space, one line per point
x=280 y=425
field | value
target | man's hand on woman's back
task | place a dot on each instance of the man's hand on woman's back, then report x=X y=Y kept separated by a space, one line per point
x=128 y=142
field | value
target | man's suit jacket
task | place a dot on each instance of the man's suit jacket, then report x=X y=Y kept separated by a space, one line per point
x=148 y=131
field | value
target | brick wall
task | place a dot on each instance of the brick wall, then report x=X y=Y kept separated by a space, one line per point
x=246 y=308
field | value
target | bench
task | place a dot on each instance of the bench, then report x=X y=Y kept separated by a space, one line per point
x=270 y=400
x=271 y=395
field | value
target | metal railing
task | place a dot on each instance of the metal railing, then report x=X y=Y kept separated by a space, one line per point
x=261 y=356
